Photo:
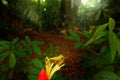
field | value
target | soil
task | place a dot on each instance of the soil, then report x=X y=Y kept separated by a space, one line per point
x=66 y=47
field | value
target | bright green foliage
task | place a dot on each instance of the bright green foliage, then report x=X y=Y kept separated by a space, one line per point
x=113 y=44
x=111 y=24
x=37 y=63
x=12 y=60
x=76 y=37
x=100 y=32
x=36 y=49
x=73 y=36
x=100 y=51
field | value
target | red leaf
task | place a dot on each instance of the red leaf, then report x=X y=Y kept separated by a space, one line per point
x=43 y=75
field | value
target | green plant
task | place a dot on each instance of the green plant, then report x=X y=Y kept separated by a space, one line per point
x=51 y=50
x=114 y=42
x=101 y=50
x=15 y=57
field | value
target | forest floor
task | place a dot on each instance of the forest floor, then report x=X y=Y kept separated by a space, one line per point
x=65 y=47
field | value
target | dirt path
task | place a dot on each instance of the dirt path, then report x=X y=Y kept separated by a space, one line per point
x=66 y=47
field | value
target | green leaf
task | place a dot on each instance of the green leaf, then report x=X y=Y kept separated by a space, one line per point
x=113 y=44
x=38 y=42
x=12 y=60
x=37 y=63
x=68 y=37
x=4 y=55
x=78 y=44
x=88 y=42
x=15 y=41
x=20 y=53
x=86 y=33
x=111 y=24
x=74 y=36
x=36 y=49
x=28 y=39
x=99 y=32
x=4 y=43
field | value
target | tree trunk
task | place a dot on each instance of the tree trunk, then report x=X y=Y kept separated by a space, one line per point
x=66 y=12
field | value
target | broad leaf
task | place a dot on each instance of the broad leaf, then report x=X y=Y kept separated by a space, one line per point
x=99 y=32
x=113 y=44
x=111 y=24
x=68 y=37
x=74 y=36
x=88 y=42
x=12 y=60
x=20 y=53
x=4 y=55
x=28 y=39
x=37 y=63
x=15 y=41
x=78 y=44
x=4 y=43
x=36 y=49
x=38 y=42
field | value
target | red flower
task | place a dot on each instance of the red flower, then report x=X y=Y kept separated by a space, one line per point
x=43 y=75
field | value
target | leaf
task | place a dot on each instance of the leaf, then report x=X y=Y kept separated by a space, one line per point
x=68 y=37
x=74 y=36
x=88 y=42
x=78 y=44
x=37 y=63
x=111 y=24
x=28 y=39
x=15 y=41
x=36 y=49
x=20 y=53
x=4 y=43
x=99 y=32
x=4 y=55
x=86 y=34
x=113 y=44
x=12 y=60
x=38 y=42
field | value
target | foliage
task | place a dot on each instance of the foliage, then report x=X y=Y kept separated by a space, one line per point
x=101 y=51
x=112 y=38
x=105 y=54
x=52 y=50
x=14 y=54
